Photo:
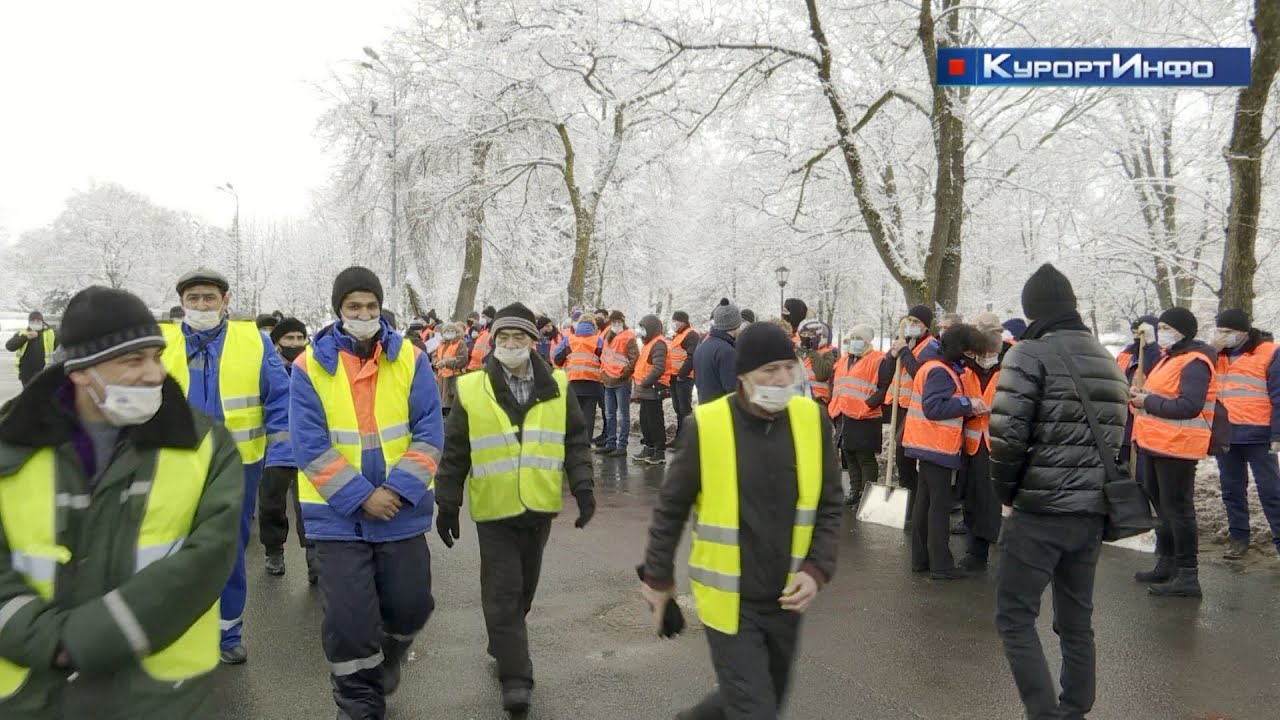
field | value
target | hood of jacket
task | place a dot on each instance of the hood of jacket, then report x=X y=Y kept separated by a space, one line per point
x=652 y=327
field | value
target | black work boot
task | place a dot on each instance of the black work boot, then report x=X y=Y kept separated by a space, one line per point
x=1162 y=572
x=645 y=453
x=275 y=562
x=1185 y=583
x=515 y=700
x=1236 y=549
x=659 y=457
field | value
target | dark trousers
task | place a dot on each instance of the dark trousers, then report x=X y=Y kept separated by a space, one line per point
x=1171 y=487
x=863 y=469
x=681 y=401
x=908 y=468
x=588 y=404
x=273 y=518
x=653 y=426
x=931 y=519
x=376 y=597
x=1035 y=551
x=753 y=668
x=1234 y=468
x=510 y=564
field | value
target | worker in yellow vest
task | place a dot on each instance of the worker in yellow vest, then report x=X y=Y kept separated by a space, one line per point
x=118 y=514
x=231 y=372
x=513 y=438
x=364 y=415
x=761 y=471
x=33 y=348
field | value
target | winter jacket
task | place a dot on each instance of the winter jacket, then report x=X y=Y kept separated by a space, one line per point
x=1043 y=455
x=690 y=346
x=164 y=600
x=766 y=485
x=204 y=356
x=654 y=383
x=579 y=388
x=455 y=466
x=342 y=517
x=942 y=400
x=1259 y=434
x=713 y=365
x=1193 y=385
x=33 y=359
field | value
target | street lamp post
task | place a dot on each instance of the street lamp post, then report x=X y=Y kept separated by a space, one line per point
x=230 y=189
x=394 y=117
x=783 y=273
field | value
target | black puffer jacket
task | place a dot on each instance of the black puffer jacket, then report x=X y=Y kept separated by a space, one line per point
x=1043 y=455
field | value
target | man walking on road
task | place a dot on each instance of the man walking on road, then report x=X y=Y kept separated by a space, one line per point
x=517 y=435
x=1050 y=482
x=767 y=529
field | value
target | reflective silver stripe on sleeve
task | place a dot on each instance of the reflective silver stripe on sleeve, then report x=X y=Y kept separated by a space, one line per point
x=351 y=667
x=40 y=569
x=77 y=502
x=232 y=623
x=127 y=622
x=711 y=578
x=11 y=608
x=241 y=403
x=278 y=437
x=151 y=553
x=247 y=435
x=716 y=534
x=141 y=488
x=416 y=468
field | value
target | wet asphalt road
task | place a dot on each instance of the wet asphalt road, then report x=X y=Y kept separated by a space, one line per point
x=878 y=643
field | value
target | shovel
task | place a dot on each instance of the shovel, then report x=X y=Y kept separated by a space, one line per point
x=886 y=503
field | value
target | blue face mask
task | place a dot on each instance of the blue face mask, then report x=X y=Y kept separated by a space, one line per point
x=857 y=347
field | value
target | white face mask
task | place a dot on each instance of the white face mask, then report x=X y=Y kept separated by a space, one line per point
x=617 y=329
x=1169 y=339
x=1006 y=336
x=126 y=405
x=986 y=363
x=1232 y=339
x=449 y=336
x=857 y=347
x=200 y=320
x=361 y=329
x=512 y=358
x=914 y=331
x=36 y=327
x=771 y=398
x=641 y=332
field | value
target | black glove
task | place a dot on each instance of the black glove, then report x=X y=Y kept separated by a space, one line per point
x=672 y=618
x=447 y=525
x=586 y=509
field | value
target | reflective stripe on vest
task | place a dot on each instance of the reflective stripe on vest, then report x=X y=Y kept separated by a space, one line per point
x=1186 y=439
x=677 y=356
x=447 y=351
x=583 y=363
x=715 y=563
x=1242 y=385
x=853 y=386
x=239 y=382
x=28 y=512
x=513 y=470
x=479 y=350
x=614 y=357
x=821 y=390
x=47 y=337
x=904 y=380
x=334 y=469
x=645 y=363
x=944 y=437
x=977 y=429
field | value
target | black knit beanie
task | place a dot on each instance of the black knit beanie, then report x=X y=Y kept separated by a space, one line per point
x=286 y=326
x=1235 y=320
x=489 y=312
x=794 y=311
x=355 y=279
x=748 y=315
x=680 y=316
x=923 y=314
x=1182 y=320
x=1047 y=293
x=761 y=344
x=101 y=323
x=265 y=322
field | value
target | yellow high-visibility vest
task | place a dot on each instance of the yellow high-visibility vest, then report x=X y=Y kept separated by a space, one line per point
x=715 y=564
x=28 y=510
x=47 y=337
x=239 y=382
x=510 y=474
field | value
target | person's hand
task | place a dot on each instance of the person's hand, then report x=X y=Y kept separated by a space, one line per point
x=657 y=601
x=382 y=504
x=31 y=334
x=1147 y=333
x=447 y=526
x=1138 y=397
x=586 y=509
x=898 y=346
x=802 y=590
x=1006 y=511
x=979 y=406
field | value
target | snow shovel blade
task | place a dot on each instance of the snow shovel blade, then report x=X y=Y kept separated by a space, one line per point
x=884 y=505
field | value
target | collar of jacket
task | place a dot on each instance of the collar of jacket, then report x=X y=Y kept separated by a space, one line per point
x=330 y=341
x=752 y=420
x=1069 y=320
x=36 y=418
x=544 y=383
x=203 y=337
x=723 y=336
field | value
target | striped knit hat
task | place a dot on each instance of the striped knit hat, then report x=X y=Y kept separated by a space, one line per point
x=516 y=317
x=100 y=324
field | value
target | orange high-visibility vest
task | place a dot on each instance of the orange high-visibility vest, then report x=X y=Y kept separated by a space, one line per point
x=977 y=429
x=1123 y=359
x=853 y=386
x=904 y=380
x=583 y=363
x=645 y=363
x=1242 y=385
x=1185 y=439
x=447 y=351
x=614 y=360
x=479 y=350
x=943 y=437
x=677 y=355
x=821 y=390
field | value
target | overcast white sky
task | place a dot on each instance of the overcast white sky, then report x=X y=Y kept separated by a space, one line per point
x=171 y=98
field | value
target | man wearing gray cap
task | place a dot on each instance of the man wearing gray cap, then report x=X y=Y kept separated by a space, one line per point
x=713 y=361
x=231 y=372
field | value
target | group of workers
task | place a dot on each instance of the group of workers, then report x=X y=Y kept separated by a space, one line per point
x=118 y=571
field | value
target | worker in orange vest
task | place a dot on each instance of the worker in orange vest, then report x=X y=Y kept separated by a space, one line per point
x=819 y=363
x=684 y=342
x=618 y=365
x=916 y=346
x=650 y=383
x=856 y=407
x=450 y=361
x=1249 y=388
x=934 y=435
x=579 y=355
x=978 y=495
x=1173 y=425
x=482 y=345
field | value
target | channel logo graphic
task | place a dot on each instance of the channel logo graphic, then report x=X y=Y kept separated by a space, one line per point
x=1132 y=67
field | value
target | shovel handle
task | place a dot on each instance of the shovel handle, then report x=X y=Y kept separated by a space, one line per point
x=893 y=425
